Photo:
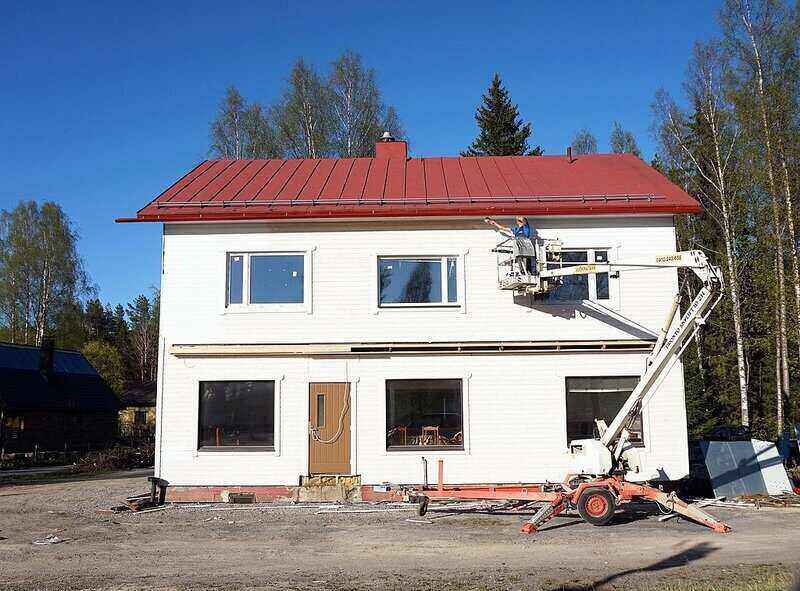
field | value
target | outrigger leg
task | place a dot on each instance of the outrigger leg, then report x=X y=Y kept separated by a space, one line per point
x=544 y=514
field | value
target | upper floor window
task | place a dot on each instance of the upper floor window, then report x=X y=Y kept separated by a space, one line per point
x=418 y=281
x=266 y=279
x=576 y=288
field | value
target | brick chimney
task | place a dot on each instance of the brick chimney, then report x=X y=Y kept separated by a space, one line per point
x=388 y=147
x=46 y=356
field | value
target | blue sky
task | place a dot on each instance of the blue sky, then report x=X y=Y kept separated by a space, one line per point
x=104 y=104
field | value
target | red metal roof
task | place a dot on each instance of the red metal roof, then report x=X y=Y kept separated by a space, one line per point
x=395 y=186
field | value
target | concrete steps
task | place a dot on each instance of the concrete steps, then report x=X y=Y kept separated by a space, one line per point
x=329 y=487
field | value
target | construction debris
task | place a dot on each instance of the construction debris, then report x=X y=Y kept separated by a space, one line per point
x=785 y=500
x=114 y=510
x=155 y=498
x=238 y=498
x=265 y=507
x=153 y=509
x=51 y=539
x=381 y=510
x=140 y=502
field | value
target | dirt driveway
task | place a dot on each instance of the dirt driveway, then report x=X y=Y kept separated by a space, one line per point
x=292 y=548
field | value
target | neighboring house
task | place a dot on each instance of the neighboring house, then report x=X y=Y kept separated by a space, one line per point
x=343 y=317
x=137 y=413
x=53 y=400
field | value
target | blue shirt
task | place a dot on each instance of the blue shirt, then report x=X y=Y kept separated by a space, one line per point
x=523 y=231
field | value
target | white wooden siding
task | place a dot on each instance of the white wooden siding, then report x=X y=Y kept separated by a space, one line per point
x=514 y=418
x=515 y=410
x=344 y=289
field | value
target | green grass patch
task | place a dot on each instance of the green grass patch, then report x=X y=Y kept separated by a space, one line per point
x=761 y=581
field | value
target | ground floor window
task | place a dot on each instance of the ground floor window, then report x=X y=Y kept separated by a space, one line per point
x=598 y=398
x=424 y=414
x=238 y=414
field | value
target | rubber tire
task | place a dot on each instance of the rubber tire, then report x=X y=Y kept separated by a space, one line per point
x=591 y=516
x=422 y=507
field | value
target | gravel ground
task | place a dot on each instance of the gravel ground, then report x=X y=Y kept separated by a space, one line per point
x=295 y=548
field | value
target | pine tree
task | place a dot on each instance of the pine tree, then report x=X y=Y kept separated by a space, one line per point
x=502 y=131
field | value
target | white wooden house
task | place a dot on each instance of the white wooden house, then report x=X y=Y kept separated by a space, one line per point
x=344 y=317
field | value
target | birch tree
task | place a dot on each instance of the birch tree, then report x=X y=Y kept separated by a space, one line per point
x=304 y=114
x=707 y=143
x=40 y=270
x=756 y=33
x=359 y=116
x=623 y=142
x=341 y=113
x=242 y=130
x=584 y=142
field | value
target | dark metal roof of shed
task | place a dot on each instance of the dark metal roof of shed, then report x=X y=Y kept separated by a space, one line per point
x=74 y=385
x=27 y=357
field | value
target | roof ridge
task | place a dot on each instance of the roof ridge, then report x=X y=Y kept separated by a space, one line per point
x=575 y=157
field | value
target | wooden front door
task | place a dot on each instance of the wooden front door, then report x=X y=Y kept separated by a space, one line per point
x=329 y=428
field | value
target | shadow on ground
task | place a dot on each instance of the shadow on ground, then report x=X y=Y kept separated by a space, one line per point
x=64 y=477
x=681 y=558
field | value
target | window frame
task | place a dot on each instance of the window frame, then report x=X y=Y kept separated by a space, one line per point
x=272 y=450
x=643 y=444
x=246 y=306
x=445 y=285
x=592 y=278
x=463 y=448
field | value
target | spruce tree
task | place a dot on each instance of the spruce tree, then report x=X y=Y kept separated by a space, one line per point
x=502 y=131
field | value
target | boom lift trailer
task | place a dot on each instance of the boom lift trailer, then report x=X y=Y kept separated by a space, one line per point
x=605 y=472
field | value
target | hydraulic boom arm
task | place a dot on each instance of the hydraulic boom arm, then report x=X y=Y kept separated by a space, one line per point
x=672 y=341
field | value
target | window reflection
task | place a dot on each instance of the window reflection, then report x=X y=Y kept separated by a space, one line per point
x=424 y=413
x=237 y=414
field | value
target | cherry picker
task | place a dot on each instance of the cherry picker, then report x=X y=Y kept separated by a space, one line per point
x=605 y=472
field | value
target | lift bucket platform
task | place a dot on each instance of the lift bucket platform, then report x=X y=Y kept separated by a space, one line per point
x=520 y=260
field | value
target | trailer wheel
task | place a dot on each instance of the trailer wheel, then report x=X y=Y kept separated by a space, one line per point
x=596 y=506
x=422 y=507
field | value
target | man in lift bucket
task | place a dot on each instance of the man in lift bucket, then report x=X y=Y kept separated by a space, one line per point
x=522 y=234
